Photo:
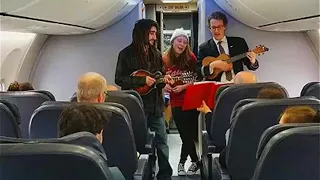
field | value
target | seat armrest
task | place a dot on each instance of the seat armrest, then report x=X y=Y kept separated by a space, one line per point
x=218 y=172
x=207 y=145
x=116 y=173
x=142 y=171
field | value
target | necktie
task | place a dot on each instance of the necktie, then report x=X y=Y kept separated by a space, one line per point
x=228 y=73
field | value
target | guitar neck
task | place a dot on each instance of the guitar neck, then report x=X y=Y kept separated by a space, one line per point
x=236 y=58
x=161 y=80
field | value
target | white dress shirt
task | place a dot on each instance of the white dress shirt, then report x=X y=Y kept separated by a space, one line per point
x=224 y=44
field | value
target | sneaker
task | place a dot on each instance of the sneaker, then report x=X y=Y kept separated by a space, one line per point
x=181 y=170
x=193 y=168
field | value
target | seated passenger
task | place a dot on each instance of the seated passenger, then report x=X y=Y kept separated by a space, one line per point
x=15 y=86
x=82 y=117
x=265 y=93
x=244 y=77
x=300 y=114
x=91 y=88
x=240 y=78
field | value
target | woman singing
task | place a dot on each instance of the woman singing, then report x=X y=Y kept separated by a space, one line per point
x=179 y=59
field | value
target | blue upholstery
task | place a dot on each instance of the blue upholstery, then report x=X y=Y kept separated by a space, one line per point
x=9 y=123
x=132 y=92
x=246 y=129
x=138 y=119
x=224 y=105
x=239 y=104
x=219 y=91
x=51 y=161
x=306 y=87
x=26 y=102
x=47 y=93
x=313 y=90
x=118 y=140
x=272 y=131
x=291 y=154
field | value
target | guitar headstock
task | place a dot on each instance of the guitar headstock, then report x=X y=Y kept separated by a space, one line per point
x=260 y=49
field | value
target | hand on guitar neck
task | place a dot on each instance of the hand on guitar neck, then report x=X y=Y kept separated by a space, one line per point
x=167 y=79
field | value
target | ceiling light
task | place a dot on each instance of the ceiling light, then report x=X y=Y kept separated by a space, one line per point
x=176 y=1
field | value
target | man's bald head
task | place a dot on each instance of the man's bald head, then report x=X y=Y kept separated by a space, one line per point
x=91 y=88
x=245 y=77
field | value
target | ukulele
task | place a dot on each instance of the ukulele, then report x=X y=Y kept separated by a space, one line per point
x=224 y=57
x=187 y=77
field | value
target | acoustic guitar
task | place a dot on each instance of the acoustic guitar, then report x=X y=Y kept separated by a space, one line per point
x=187 y=77
x=224 y=57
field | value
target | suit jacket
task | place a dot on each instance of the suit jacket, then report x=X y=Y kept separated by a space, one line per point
x=236 y=45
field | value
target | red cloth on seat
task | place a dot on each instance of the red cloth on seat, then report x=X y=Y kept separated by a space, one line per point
x=198 y=92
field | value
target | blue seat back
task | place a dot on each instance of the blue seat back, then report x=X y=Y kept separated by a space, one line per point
x=224 y=105
x=248 y=126
x=47 y=93
x=239 y=104
x=44 y=120
x=9 y=123
x=132 y=92
x=219 y=91
x=273 y=130
x=306 y=87
x=313 y=90
x=26 y=102
x=138 y=119
x=291 y=154
x=50 y=161
x=118 y=139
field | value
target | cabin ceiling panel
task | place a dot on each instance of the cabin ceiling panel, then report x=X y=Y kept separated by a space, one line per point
x=92 y=15
x=23 y=25
x=274 y=13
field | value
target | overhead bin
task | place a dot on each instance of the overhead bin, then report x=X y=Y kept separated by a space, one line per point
x=274 y=15
x=73 y=16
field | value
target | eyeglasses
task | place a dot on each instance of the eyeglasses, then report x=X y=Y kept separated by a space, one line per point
x=106 y=94
x=218 y=27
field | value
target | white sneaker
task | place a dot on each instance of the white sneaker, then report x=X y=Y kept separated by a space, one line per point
x=181 y=170
x=193 y=168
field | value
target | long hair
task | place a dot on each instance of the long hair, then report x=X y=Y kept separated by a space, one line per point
x=183 y=61
x=140 y=41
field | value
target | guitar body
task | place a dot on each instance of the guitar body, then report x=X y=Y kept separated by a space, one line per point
x=145 y=89
x=207 y=60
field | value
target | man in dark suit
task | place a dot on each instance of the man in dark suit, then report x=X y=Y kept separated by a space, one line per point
x=219 y=44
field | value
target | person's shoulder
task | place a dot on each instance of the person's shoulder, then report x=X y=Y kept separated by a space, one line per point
x=126 y=49
x=205 y=44
x=235 y=39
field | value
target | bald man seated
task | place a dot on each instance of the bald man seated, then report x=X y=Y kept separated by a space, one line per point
x=245 y=77
x=91 y=88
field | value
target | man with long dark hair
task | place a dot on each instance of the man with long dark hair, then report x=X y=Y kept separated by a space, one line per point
x=142 y=54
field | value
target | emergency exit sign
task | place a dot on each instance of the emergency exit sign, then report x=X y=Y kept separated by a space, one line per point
x=177 y=7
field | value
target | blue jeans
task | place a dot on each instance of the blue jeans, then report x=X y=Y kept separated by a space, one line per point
x=157 y=124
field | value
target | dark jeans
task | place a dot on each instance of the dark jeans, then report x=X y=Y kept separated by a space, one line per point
x=157 y=124
x=187 y=124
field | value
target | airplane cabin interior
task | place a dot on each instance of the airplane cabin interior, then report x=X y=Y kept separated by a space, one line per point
x=50 y=44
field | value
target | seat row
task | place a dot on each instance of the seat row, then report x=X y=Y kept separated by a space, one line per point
x=236 y=108
x=124 y=135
